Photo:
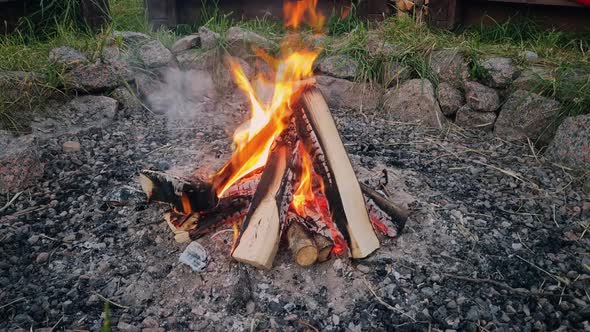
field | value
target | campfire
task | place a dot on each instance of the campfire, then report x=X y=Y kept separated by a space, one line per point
x=289 y=176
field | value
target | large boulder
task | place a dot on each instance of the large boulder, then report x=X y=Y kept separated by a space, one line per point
x=526 y=114
x=481 y=98
x=469 y=118
x=450 y=66
x=20 y=164
x=131 y=38
x=414 y=101
x=98 y=76
x=340 y=66
x=209 y=39
x=241 y=41
x=571 y=144
x=66 y=57
x=344 y=94
x=502 y=71
x=449 y=98
x=154 y=54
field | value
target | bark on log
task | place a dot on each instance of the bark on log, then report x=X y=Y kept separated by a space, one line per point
x=260 y=233
x=186 y=195
x=324 y=246
x=301 y=244
x=346 y=199
x=398 y=214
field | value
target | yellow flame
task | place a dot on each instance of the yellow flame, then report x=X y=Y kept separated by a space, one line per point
x=294 y=65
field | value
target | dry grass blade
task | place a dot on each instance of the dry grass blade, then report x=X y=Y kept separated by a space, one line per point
x=12 y=302
x=507 y=172
x=111 y=301
x=553 y=276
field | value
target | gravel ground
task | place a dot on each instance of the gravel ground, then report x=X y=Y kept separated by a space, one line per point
x=495 y=240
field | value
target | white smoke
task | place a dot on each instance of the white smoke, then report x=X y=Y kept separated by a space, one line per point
x=183 y=95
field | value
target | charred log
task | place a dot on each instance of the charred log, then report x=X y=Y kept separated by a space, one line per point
x=186 y=195
x=388 y=213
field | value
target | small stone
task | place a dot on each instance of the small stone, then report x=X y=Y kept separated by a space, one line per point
x=131 y=38
x=241 y=41
x=344 y=94
x=502 y=71
x=96 y=77
x=186 y=43
x=414 y=101
x=429 y=292
x=473 y=314
x=481 y=98
x=468 y=118
x=571 y=144
x=42 y=257
x=516 y=246
x=195 y=256
x=154 y=54
x=20 y=164
x=449 y=98
x=127 y=99
x=66 y=57
x=209 y=39
x=526 y=114
x=336 y=320
x=529 y=56
x=338 y=265
x=71 y=146
x=450 y=66
x=340 y=66
x=363 y=268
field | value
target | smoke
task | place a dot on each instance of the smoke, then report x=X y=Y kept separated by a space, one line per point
x=183 y=95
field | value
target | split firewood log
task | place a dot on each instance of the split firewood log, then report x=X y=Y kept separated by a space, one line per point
x=186 y=195
x=343 y=191
x=301 y=244
x=261 y=230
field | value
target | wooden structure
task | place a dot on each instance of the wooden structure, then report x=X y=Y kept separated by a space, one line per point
x=563 y=14
x=170 y=13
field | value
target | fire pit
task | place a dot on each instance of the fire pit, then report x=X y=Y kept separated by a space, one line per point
x=289 y=175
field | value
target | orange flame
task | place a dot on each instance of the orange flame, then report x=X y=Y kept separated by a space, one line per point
x=303 y=11
x=304 y=192
x=269 y=116
x=307 y=199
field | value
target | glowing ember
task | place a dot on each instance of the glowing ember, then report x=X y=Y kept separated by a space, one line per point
x=269 y=118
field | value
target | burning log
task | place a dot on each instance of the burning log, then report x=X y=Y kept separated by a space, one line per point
x=344 y=193
x=186 y=195
x=302 y=245
x=260 y=233
x=189 y=227
x=395 y=216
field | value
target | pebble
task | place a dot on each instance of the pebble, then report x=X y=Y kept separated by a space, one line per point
x=42 y=257
x=363 y=268
x=71 y=146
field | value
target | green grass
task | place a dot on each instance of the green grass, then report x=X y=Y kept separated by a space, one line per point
x=58 y=25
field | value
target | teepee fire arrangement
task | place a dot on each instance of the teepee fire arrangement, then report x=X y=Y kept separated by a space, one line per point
x=289 y=175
